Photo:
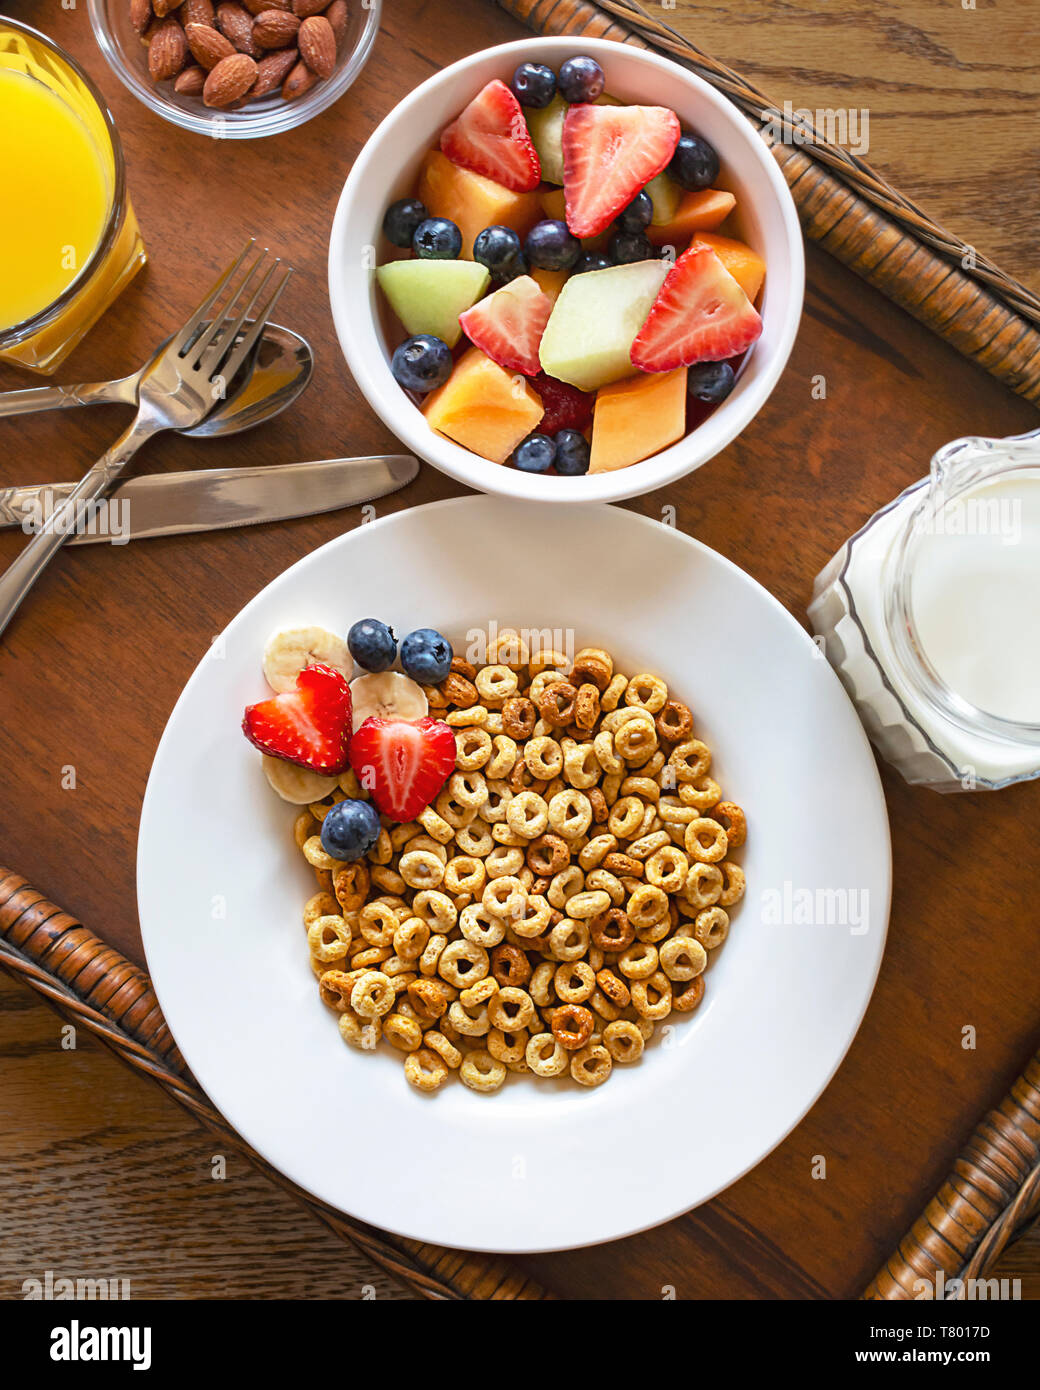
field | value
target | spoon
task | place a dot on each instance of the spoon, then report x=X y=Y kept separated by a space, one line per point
x=269 y=380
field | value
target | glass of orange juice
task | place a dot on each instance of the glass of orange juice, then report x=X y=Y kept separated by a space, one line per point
x=69 y=240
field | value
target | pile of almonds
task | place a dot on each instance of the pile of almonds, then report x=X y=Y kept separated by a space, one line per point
x=232 y=53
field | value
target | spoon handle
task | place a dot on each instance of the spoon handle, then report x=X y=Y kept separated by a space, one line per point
x=57 y=397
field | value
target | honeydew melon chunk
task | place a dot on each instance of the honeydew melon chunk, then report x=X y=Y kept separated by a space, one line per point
x=589 y=335
x=545 y=126
x=666 y=195
x=428 y=296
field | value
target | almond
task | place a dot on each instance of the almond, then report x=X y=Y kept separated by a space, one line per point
x=164 y=7
x=337 y=16
x=273 y=69
x=275 y=28
x=236 y=24
x=140 y=14
x=230 y=80
x=207 y=45
x=191 y=81
x=258 y=6
x=305 y=8
x=198 y=12
x=168 y=51
x=300 y=80
x=317 y=44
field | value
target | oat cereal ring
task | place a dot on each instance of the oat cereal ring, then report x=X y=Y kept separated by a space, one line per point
x=547 y=855
x=706 y=841
x=598 y=802
x=682 y=957
x=472 y=749
x=569 y=940
x=691 y=996
x=315 y=855
x=464 y=874
x=368 y=957
x=431 y=956
x=504 y=835
x=321 y=905
x=667 y=869
x=527 y=815
x=435 y=697
x=703 y=885
x=474 y=840
x=505 y=898
x=603 y=748
x=445 y=1050
x=644 y=787
x=534 y=919
x=592 y=1065
x=638 y=961
x=584 y=905
x=504 y=860
x=652 y=998
x=570 y=813
x=613 y=988
x=421 y=869
x=473 y=717
x=499 y=795
x=711 y=927
x=507 y=1045
x=462 y=667
x=572 y=1026
x=733 y=819
x=518 y=717
x=373 y=994
x=401 y=834
x=595 y=852
x=611 y=930
x=458 y=690
x=574 y=981
x=581 y=766
x=402 y=1032
x=616 y=863
x=471 y=1022
x=303 y=828
x=436 y=909
x=636 y=739
x=545 y=1056
x=648 y=692
x=479 y=927
x=613 y=694
x=328 y=938
x=674 y=721
x=510 y=967
x=556 y=703
x=603 y=880
x=436 y=826
x=565 y=885
x=611 y=785
x=424 y=1069
x=586 y=706
x=703 y=794
x=454 y=812
x=624 y=1041
x=626 y=817
x=540 y=985
x=496 y=683
x=364 y=1034
x=673 y=812
x=511 y=1009
x=377 y=923
x=482 y=1072
x=734 y=889
x=429 y=998
x=350 y=785
x=593 y=664
x=503 y=758
x=544 y=758
x=690 y=760
x=507 y=648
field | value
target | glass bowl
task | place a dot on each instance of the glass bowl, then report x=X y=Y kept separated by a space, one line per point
x=270 y=115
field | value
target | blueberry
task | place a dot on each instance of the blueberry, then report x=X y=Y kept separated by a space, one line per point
x=422 y=363
x=350 y=829
x=591 y=260
x=426 y=656
x=694 y=164
x=401 y=220
x=626 y=247
x=534 y=84
x=550 y=246
x=572 y=453
x=437 y=239
x=372 y=644
x=710 y=382
x=497 y=248
x=580 y=79
x=535 y=454
x=637 y=216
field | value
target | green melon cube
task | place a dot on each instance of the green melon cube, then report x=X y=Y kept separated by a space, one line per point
x=589 y=335
x=428 y=296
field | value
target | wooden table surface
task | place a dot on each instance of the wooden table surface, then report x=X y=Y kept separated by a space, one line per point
x=99 y=1173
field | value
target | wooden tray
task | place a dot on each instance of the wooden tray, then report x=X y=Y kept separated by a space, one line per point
x=93 y=664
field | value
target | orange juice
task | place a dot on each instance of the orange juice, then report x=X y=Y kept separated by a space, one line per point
x=57 y=193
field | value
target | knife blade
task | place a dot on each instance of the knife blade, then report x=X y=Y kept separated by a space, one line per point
x=167 y=504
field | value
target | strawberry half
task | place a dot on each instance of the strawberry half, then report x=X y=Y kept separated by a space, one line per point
x=403 y=762
x=309 y=725
x=700 y=315
x=491 y=138
x=566 y=408
x=508 y=325
x=609 y=154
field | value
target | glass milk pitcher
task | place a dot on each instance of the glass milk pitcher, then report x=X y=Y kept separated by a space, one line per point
x=930 y=614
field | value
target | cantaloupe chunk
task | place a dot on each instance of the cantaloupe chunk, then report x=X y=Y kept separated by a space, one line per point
x=473 y=202
x=636 y=418
x=483 y=407
x=702 y=211
x=746 y=266
x=550 y=282
x=554 y=204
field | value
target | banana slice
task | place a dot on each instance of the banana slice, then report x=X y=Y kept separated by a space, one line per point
x=299 y=785
x=387 y=695
x=289 y=651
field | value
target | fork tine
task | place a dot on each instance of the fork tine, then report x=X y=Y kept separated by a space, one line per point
x=193 y=321
x=216 y=329
x=253 y=332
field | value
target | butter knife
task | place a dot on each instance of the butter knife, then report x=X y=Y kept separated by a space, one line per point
x=168 y=504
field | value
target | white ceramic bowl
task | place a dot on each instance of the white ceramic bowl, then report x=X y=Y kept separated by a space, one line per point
x=387 y=168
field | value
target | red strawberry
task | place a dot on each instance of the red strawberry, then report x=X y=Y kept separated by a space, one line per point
x=403 y=762
x=566 y=408
x=309 y=725
x=508 y=325
x=491 y=138
x=609 y=154
x=700 y=315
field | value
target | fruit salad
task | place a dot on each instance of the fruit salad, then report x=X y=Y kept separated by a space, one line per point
x=523 y=863
x=571 y=297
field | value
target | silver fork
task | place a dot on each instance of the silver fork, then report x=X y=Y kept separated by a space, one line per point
x=178 y=388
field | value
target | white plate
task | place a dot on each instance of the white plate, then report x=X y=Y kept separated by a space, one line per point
x=540 y=1165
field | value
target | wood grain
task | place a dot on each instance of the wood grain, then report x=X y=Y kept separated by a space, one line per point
x=94 y=662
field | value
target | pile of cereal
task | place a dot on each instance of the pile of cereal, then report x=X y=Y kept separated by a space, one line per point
x=559 y=898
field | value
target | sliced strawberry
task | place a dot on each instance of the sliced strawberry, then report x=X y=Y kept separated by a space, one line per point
x=309 y=725
x=566 y=408
x=508 y=325
x=403 y=762
x=609 y=154
x=491 y=138
x=700 y=315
